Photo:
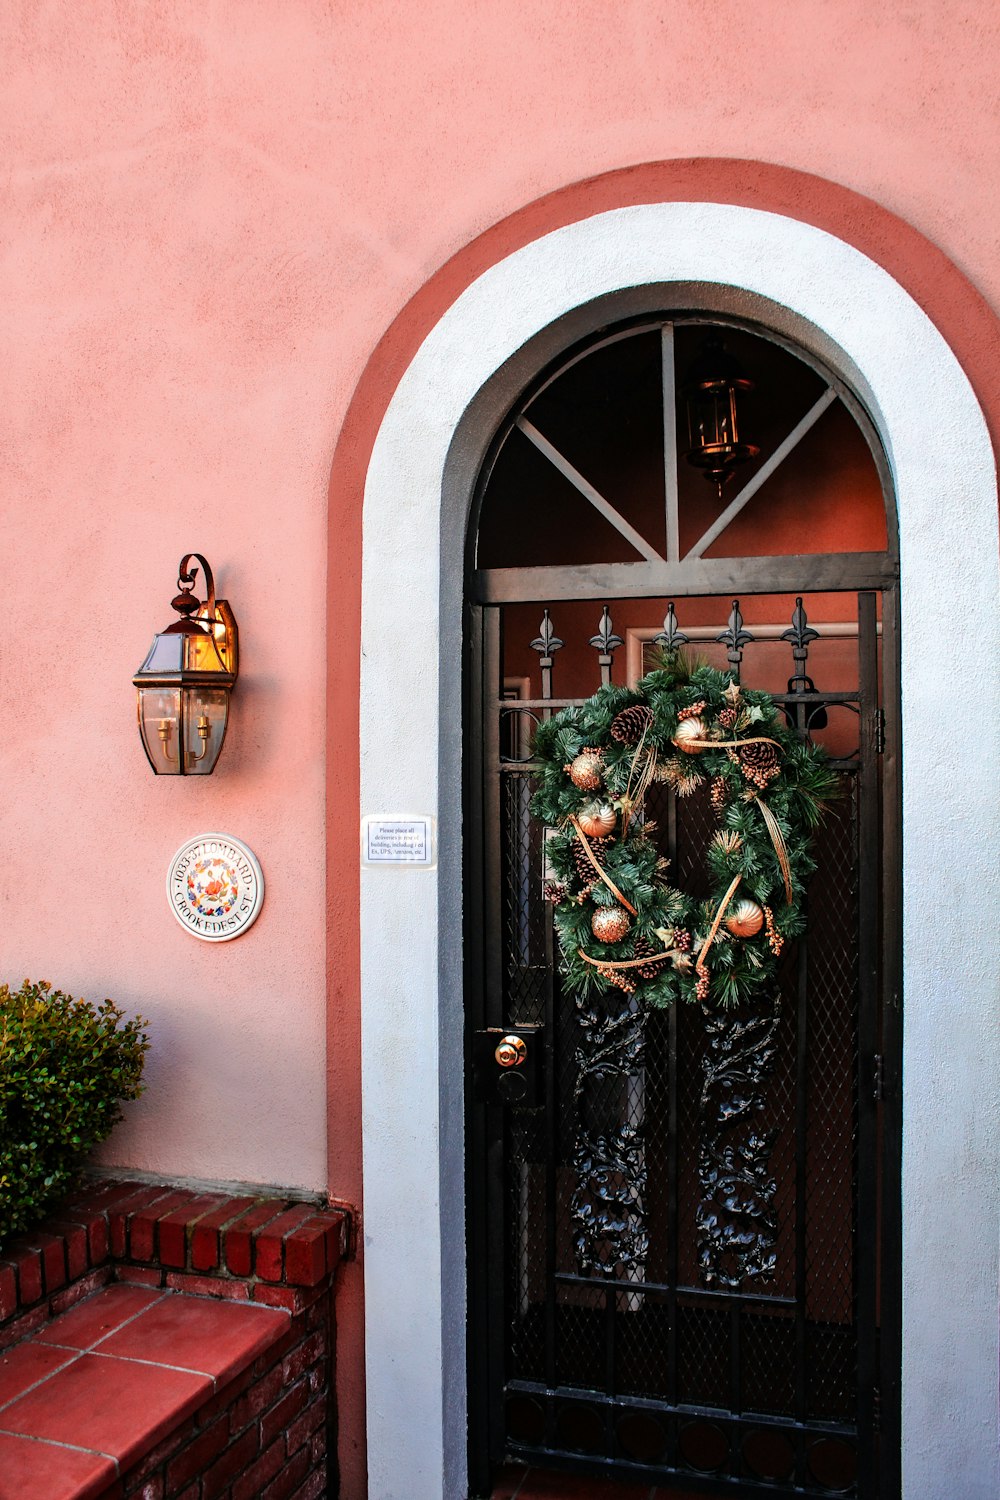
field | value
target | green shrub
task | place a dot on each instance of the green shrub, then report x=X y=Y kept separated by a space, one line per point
x=65 y=1067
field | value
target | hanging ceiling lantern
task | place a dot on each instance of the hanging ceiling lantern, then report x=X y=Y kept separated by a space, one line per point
x=185 y=682
x=710 y=388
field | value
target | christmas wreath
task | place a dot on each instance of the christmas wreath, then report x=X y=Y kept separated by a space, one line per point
x=619 y=920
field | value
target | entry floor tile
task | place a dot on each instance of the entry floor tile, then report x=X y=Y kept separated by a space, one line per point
x=508 y=1481
x=515 y=1482
x=543 y=1484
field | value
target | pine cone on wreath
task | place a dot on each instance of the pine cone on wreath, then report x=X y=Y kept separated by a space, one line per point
x=584 y=868
x=760 y=763
x=643 y=948
x=629 y=726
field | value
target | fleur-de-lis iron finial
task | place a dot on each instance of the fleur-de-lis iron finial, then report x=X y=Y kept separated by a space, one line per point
x=607 y=643
x=734 y=638
x=800 y=634
x=546 y=643
x=670 y=638
x=813 y=716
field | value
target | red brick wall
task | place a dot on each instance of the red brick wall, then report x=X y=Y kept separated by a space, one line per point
x=272 y=1432
x=265 y=1250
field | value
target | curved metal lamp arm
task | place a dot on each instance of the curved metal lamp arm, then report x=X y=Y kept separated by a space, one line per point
x=214 y=614
x=186 y=576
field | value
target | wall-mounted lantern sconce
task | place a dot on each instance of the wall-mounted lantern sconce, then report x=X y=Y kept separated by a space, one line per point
x=185 y=681
x=711 y=387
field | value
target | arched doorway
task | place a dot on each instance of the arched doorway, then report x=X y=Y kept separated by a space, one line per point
x=753 y=1336
x=833 y=301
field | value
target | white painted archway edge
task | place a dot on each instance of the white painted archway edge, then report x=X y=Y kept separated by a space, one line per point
x=938 y=447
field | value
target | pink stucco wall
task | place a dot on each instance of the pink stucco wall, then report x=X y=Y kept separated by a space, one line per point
x=213 y=212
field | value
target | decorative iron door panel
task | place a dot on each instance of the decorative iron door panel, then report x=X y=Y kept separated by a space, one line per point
x=675 y=1254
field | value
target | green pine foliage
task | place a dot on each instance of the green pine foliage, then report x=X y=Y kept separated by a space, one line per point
x=65 y=1068
x=737 y=968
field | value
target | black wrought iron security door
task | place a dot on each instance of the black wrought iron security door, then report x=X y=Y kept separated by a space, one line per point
x=676 y=1245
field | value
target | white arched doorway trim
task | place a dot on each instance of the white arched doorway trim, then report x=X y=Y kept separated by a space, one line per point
x=942 y=466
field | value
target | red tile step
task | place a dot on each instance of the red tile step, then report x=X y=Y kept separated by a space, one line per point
x=218 y=1339
x=95 y=1318
x=101 y=1385
x=28 y=1469
x=27 y=1364
x=117 y=1408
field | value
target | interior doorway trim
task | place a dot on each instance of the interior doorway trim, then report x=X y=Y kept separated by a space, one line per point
x=855 y=316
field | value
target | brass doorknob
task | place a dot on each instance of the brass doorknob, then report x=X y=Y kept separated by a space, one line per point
x=511 y=1052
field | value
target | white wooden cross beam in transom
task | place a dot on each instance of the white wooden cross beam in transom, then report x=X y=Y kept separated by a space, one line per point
x=670 y=459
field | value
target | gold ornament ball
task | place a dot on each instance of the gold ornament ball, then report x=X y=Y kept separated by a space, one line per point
x=610 y=923
x=745 y=920
x=688 y=732
x=585 y=771
x=598 y=820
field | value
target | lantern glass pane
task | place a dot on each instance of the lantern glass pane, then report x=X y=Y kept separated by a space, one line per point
x=205 y=712
x=200 y=653
x=703 y=420
x=159 y=725
x=715 y=420
x=175 y=651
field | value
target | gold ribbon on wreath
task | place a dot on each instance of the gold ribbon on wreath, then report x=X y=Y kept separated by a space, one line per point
x=652 y=958
x=637 y=786
x=602 y=873
x=700 y=960
x=756 y=739
x=629 y=802
x=626 y=963
x=780 y=848
x=770 y=821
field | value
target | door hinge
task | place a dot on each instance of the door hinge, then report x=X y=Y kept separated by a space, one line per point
x=880 y=731
x=879 y=1079
x=877 y=1409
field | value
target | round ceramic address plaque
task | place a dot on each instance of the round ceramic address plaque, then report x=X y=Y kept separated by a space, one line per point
x=215 y=887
